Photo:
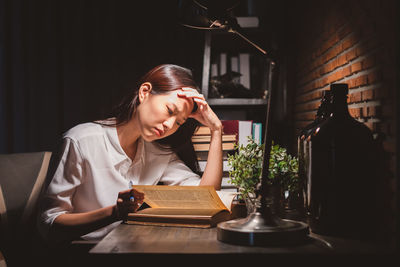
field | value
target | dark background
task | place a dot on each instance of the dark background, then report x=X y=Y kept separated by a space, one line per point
x=67 y=62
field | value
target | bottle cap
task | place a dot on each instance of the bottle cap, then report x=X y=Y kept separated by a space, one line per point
x=339 y=89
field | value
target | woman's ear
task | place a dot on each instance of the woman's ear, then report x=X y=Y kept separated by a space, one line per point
x=144 y=91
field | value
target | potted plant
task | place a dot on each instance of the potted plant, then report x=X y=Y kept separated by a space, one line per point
x=246 y=167
x=245 y=171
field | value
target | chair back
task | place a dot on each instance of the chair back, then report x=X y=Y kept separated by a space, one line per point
x=22 y=176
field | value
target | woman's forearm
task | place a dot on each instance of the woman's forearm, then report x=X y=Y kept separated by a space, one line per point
x=213 y=172
x=70 y=226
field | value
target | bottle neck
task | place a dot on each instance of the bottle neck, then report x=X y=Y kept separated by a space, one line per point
x=339 y=106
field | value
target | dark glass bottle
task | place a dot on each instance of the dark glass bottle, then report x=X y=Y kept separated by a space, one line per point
x=339 y=173
x=323 y=112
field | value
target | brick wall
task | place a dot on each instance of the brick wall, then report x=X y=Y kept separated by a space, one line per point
x=350 y=42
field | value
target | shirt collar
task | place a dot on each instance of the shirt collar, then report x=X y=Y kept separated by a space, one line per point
x=119 y=155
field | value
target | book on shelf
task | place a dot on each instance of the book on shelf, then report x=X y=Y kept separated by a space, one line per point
x=206 y=146
x=241 y=128
x=257 y=132
x=207 y=138
x=202 y=130
x=187 y=206
x=202 y=138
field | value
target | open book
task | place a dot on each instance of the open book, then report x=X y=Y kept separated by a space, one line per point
x=188 y=206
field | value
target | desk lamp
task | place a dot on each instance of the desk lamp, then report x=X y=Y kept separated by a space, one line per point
x=262 y=227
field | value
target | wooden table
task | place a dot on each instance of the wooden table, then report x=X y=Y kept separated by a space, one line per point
x=133 y=242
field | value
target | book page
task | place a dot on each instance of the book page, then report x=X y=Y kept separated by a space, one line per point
x=181 y=197
x=227 y=198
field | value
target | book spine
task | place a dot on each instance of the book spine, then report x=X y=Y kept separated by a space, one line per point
x=245 y=130
x=257 y=132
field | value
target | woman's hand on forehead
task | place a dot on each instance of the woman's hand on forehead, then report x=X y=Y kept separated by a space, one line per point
x=204 y=113
x=192 y=93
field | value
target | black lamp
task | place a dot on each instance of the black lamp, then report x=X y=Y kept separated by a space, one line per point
x=262 y=227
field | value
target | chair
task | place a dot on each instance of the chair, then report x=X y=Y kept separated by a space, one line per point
x=22 y=177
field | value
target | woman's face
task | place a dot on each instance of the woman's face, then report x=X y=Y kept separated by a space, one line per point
x=161 y=115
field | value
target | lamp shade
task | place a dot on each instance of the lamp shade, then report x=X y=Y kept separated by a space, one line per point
x=202 y=14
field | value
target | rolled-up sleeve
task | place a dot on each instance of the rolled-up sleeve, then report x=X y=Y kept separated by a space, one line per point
x=58 y=197
x=177 y=173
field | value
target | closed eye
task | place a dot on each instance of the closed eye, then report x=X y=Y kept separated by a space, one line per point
x=170 y=111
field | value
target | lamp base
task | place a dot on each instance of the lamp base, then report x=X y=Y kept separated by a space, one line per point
x=255 y=230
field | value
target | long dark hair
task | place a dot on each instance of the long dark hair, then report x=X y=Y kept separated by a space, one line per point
x=164 y=78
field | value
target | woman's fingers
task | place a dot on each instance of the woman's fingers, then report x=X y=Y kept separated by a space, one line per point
x=204 y=113
x=127 y=194
x=189 y=89
x=129 y=201
x=201 y=101
x=191 y=94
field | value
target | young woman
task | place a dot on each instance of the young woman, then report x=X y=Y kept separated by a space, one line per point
x=147 y=141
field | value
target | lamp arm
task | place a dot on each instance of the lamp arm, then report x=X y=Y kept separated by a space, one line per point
x=247 y=40
x=263 y=188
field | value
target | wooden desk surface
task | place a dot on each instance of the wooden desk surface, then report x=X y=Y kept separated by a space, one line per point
x=139 y=239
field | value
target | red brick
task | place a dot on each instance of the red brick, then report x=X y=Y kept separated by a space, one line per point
x=369 y=111
x=329 y=55
x=351 y=55
x=362 y=80
x=368 y=94
x=346 y=71
x=354 y=97
x=356 y=67
x=331 y=78
x=324 y=81
x=351 y=83
x=342 y=59
x=328 y=67
x=355 y=112
x=349 y=42
x=323 y=70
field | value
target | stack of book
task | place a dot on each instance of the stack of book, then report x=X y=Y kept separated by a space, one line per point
x=201 y=142
x=202 y=138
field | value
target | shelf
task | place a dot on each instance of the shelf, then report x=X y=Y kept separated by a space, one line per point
x=236 y=101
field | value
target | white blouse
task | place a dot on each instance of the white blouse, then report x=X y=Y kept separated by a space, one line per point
x=94 y=169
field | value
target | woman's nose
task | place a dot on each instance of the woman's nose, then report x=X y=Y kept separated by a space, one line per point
x=169 y=123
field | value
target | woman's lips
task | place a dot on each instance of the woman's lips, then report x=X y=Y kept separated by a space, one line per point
x=158 y=132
